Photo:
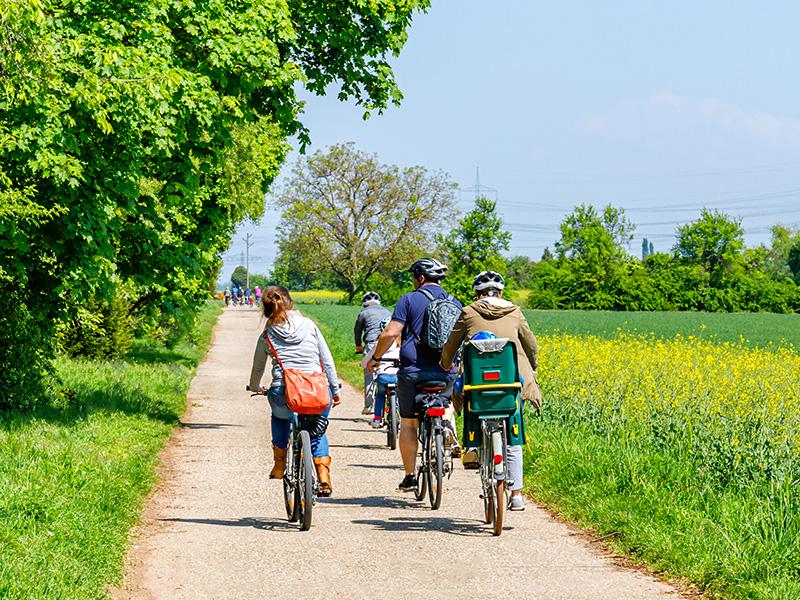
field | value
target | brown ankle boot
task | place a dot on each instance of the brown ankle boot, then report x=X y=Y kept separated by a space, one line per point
x=323 y=465
x=280 y=462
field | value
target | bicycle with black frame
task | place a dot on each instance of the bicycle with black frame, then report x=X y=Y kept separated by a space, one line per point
x=300 y=485
x=390 y=418
x=435 y=460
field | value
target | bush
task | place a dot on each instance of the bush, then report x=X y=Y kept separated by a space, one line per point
x=99 y=329
x=660 y=282
x=26 y=347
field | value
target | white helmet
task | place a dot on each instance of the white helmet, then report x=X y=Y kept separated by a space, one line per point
x=371 y=298
x=488 y=280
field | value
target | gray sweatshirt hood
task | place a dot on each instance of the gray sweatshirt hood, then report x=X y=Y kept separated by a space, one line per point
x=293 y=331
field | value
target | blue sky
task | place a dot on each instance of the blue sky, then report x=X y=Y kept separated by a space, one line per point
x=660 y=108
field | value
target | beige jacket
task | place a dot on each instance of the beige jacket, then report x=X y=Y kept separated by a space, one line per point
x=505 y=320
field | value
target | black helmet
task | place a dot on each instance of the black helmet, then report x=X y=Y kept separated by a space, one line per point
x=370 y=296
x=488 y=280
x=431 y=268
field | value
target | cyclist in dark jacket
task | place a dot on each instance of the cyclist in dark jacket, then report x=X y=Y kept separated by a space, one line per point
x=367 y=330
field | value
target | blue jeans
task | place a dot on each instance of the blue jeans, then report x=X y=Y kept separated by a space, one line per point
x=282 y=419
x=382 y=381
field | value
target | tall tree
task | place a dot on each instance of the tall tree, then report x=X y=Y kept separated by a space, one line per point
x=345 y=212
x=714 y=241
x=476 y=244
x=593 y=246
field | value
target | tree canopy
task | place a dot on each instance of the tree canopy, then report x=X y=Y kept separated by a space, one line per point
x=135 y=136
x=714 y=241
x=475 y=244
x=346 y=213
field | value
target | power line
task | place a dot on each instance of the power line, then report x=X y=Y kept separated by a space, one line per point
x=247 y=244
x=478 y=189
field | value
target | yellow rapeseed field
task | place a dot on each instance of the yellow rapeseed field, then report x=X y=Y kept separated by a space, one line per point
x=734 y=409
x=318 y=297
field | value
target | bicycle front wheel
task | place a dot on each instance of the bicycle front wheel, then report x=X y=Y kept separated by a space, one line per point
x=306 y=482
x=392 y=422
x=435 y=470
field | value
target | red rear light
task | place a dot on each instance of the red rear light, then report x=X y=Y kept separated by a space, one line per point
x=436 y=411
x=491 y=375
x=498 y=458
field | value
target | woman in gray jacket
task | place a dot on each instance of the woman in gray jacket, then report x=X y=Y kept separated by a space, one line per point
x=300 y=345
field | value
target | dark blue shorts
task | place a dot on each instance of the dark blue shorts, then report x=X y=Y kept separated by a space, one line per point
x=407 y=389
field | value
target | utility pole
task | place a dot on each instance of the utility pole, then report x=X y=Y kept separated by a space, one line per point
x=247 y=244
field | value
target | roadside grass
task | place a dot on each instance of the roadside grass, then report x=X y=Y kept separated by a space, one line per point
x=685 y=451
x=73 y=478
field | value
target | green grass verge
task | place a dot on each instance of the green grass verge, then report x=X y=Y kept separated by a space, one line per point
x=73 y=479
x=752 y=329
x=732 y=542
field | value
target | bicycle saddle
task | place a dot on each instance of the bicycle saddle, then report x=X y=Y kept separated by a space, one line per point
x=431 y=386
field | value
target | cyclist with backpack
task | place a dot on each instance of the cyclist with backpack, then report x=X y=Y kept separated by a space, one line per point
x=422 y=319
x=495 y=315
x=367 y=329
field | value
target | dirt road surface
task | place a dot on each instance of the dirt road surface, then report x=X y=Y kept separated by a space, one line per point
x=216 y=527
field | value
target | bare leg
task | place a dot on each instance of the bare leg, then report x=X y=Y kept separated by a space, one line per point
x=408 y=444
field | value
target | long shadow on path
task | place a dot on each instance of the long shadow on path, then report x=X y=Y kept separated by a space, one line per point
x=255 y=522
x=372 y=502
x=460 y=527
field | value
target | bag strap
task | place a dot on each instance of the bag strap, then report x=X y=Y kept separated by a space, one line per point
x=272 y=348
x=428 y=295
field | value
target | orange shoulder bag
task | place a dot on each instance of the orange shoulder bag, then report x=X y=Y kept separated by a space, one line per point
x=306 y=393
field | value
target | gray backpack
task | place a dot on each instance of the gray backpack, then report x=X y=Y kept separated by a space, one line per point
x=440 y=318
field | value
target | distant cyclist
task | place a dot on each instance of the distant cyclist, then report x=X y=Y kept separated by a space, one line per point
x=490 y=312
x=367 y=330
x=227 y=296
x=385 y=375
x=417 y=361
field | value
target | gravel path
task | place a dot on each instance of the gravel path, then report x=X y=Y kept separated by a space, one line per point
x=216 y=528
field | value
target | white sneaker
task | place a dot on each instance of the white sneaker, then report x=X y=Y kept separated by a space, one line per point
x=516 y=502
x=451 y=440
x=376 y=424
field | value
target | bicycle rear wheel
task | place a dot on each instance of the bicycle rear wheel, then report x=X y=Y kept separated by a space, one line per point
x=435 y=471
x=422 y=480
x=392 y=422
x=290 y=495
x=305 y=486
x=499 y=504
